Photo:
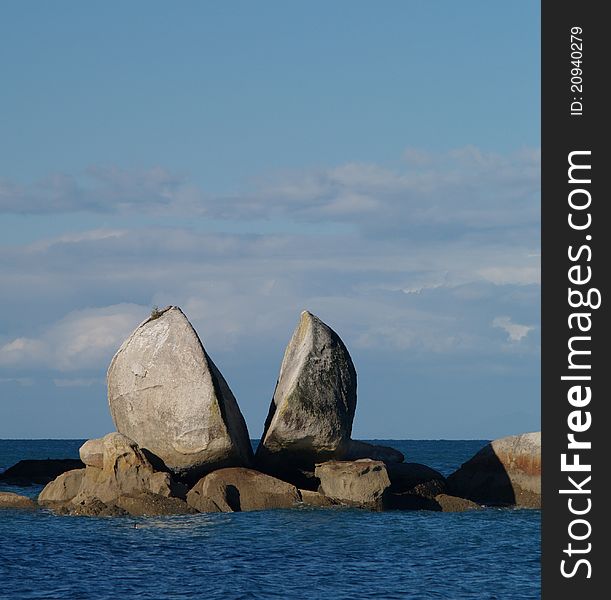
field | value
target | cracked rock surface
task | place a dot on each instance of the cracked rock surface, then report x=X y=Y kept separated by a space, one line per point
x=167 y=395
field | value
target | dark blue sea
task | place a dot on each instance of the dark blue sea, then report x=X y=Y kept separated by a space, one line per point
x=304 y=553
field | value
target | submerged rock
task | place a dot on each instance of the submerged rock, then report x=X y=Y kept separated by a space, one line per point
x=506 y=471
x=311 y=413
x=38 y=472
x=167 y=395
x=360 y=483
x=11 y=500
x=238 y=489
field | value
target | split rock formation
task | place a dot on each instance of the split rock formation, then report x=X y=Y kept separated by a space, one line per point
x=167 y=395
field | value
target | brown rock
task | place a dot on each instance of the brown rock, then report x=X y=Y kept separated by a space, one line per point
x=153 y=505
x=438 y=503
x=11 y=500
x=408 y=501
x=239 y=489
x=316 y=499
x=126 y=471
x=125 y=483
x=506 y=471
x=63 y=489
x=92 y=453
x=416 y=479
x=91 y=507
x=359 y=483
x=455 y=504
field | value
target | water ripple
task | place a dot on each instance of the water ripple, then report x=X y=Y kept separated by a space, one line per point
x=338 y=554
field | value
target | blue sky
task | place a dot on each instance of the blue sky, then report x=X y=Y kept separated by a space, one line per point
x=375 y=163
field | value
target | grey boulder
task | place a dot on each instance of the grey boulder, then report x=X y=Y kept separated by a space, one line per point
x=358 y=483
x=167 y=395
x=311 y=413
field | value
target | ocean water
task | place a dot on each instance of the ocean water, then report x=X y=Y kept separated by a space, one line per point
x=303 y=553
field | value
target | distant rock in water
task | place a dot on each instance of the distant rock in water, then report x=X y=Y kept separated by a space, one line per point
x=311 y=413
x=11 y=500
x=166 y=394
x=38 y=472
x=357 y=449
x=506 y=471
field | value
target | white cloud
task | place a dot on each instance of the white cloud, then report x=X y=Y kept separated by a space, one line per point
x=464 y=189
x=431 y=252
x=515 y=331
x=21 y=350
x=83 y=339
x=78 y=382
x=22 y=381
x=244 y=288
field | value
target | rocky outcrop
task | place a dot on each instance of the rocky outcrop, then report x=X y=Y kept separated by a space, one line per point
x=126 y=481
x=91 y=507
x=311 y=413
x=38 y=472
x=357 y=449
x=148 y=504
x=454 y=504
x=238 y=489
x=414 y=487
x=11 y=500
x=416 y=479
x=167 y=395
x=317 y=499
x=359 y=483
x=63 y=489
x=92 y=453
x=125 y=471
x=506 y=471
